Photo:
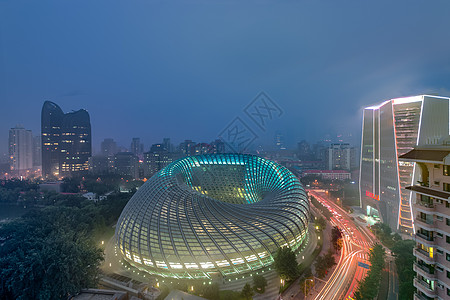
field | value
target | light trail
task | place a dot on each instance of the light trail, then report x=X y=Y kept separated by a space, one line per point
x=356 y=240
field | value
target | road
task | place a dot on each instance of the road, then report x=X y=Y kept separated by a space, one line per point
x=356 y=244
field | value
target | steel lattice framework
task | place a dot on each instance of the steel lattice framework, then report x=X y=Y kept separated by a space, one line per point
x=224 y=213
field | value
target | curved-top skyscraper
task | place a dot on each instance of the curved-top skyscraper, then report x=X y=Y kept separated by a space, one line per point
x=222 y=213
x=66 y=141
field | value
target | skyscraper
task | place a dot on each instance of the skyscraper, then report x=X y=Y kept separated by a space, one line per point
x=389 y=130
x=66 y=141
x=20 y=150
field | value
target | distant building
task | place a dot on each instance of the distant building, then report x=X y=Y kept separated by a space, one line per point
x=37 y=152
x=66 y=141
x=137 y=148
x=167 y=145
x=329 y=174
x=202 y=148
x=127 y=164
x=108 y=147
x=279 y=141
x=431 y=207
x=187 y=148
x=390 y=130
x=156 y=159
x=21 y=150
x=218 y=146
x=304 y=152
x=101 y=164
x=340 y=157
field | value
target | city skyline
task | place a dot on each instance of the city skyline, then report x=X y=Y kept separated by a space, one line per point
x=297 y=60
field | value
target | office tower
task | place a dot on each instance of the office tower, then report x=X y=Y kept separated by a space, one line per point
x=37 y=151
x=431 y=207
x=340 y=157
x=66 y=141
x=108 y=147
x=389 y=130
x=127 y=164
x=136 y=147
x=20 y=150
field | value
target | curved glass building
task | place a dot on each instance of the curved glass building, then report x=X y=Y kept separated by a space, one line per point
x=226 y=213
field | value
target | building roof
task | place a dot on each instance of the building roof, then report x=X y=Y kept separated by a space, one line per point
x=428 y=191
x=427 y=155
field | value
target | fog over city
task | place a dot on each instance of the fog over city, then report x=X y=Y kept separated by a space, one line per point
x=155 y=69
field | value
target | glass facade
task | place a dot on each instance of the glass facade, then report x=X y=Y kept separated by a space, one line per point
x=201 y=215
x=389 y=130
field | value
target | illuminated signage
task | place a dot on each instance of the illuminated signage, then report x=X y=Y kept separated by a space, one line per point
x=372 y=195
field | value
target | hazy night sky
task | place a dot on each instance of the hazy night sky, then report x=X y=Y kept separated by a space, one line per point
x=185 y=69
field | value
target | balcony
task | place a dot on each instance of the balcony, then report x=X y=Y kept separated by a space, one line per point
x=427 y=238
x=424 y=270
x=424 y=287
x=424 y=255
x=422 y=297
x=427 y=223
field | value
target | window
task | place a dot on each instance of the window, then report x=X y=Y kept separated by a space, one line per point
x=447 y=256
x=446 y=187
x=446 y=170
x=447 y=221
x=448 y=292
x=448 y=239
x=448 y=274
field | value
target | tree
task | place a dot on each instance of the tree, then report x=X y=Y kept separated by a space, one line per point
x=247 y=292
x=404 y=260
x=336 y=236
x=259 y=283
x=368 y=287
x=285 y=264
x=323 y=263
x=47 y=255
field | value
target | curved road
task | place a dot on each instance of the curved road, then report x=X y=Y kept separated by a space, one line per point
x=357 y=241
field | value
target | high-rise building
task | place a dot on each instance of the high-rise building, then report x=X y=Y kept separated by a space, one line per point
x=391 y=129
x=108 y=147
x=66 y=141
x=156 y=159
x=37 y=152
x=431 y=207
x=167 y=145
x=340 y=157
x=136 y=147
x=20 y=150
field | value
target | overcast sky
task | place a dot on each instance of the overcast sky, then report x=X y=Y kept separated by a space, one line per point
x=186 y=69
